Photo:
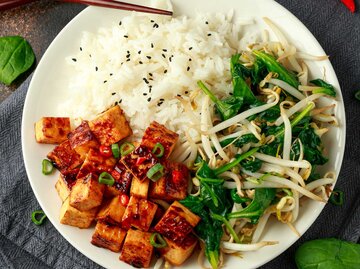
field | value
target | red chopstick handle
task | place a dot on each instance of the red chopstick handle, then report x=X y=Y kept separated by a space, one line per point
x=350 y=4
x=8 y=4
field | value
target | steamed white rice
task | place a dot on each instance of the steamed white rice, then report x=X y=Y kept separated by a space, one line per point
x=144 y=62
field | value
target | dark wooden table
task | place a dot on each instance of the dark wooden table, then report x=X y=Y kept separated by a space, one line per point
x=39 y=23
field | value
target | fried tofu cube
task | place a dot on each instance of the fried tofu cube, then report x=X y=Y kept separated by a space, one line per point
x=64 y=157
x=173 y=185
x=82 y=139
x=108 y=236
x=177 y=222
x=62 y=187
x=71 y=216
x=87 y=193
x=96 y=163
x=52 y=130
x=110 y=126
x=158 y=133
x=123 y=178
x=139 y=213
x=137 y=250
x=139 y=188
x=140 y=161
x=177 y=254
x=112 y=211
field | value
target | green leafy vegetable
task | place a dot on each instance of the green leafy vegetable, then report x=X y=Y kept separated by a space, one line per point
x=239 y=142
x=337 y=197
x=273 y=66
x=328 y=253
x=357 y=95
x=227 y=108
x=237 y=199
x=262 y=199
x=16 y=57
x=252 y=165
x=325 y=87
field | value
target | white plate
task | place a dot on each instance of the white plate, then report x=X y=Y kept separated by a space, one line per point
x=51 y=78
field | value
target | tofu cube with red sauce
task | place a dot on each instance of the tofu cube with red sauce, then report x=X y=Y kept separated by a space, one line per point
x=140 y=188
x=137 y=250
x=123 y=178
x=158 y=133
x=87 y=193
x=111 y=211
x=65 y=158
x=96 y=163
x=52 y=130
x=110 y=126
x=177 y=222
x=63 y=187
x=71 y=216
x=173 y=185
x=108 y=236
x=140 y=161
x=139 y=214
x=177 y=254
x=82 y=140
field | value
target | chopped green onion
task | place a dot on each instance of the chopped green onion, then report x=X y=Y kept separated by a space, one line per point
x=357 y=95
x=47 y=167
x=337 y=197
x=155 y=172
x=157 y=241
x=158 y=147
x=38 y=217
x=115 y=150
x=126 y=148
x=106 y=178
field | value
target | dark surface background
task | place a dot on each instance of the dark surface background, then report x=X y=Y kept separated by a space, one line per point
x=23 y=245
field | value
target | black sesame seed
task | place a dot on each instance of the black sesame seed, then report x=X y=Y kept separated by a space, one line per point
x=190 y=60
x=116 y=102
x=149 y=57
x=80 y=48
x=150 y=89
x=169 y=59
x=128 y=51
x=150 y=74
x=105 y=81
x=206 y=22
x=113 y=93
x=139 y=52
x=156 y=25
x=120 y=23
x=186 y=92
x=90 y=55
x=111 y=74
x=165 y=71
x=163 y=55
x=96 y=68
x=164 y=50
x=128 y=60
x=149 y=99
x=190 y=48
x=152 y=21
x=144 y=93
x=140 y=62
x=209 y=34
x=152 y=45
x=145 y=80
x=128 y=56
x=126 y=36
x=188 y=68
x=230 y=93
x=151 y=79
x=162 y=99
x=159 y=104
x=74 y=59
x=120 y=101
x=179 y=95
x=122 y=63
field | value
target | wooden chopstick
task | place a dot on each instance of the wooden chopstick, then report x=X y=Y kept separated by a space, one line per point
x=7 y=4
x=120 y=5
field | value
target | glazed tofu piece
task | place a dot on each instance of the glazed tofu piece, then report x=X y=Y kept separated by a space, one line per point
x=108 y=236
x=64 y=157
x=139 y=213
x=158 y=133
x=82 y=140
x=123 y=178
x=96 y=163
x=177 y=222
x=112 y=211
x=52 y=130
x=137 y=250
x=139 y=188
x=62 y=187
x=110 y=126
x=177 y=254
x=71 y=216
x=87 y=193
x=140 y=161
x=173 y=185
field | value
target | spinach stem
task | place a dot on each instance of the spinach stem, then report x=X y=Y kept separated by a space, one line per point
x=228 y=226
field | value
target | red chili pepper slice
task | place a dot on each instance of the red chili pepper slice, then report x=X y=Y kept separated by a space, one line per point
x=124 y=199
x=140 y=160
x=115 y=174
x=350 y=4
x=105 y=151
x=177 y=176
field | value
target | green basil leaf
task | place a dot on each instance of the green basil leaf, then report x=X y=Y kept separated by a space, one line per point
x=16 y=57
